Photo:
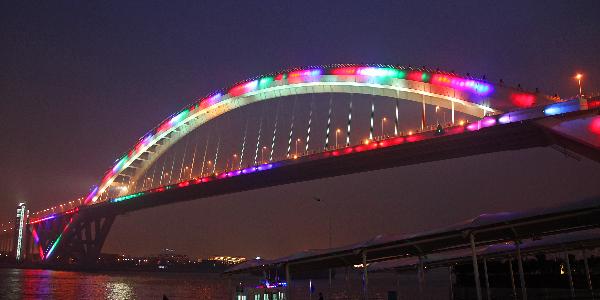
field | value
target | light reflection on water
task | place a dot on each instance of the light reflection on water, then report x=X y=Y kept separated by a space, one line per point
x=46 y=284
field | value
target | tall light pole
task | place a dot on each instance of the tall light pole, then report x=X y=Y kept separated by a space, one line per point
x=383 y=121
x=337 y=131
x=298 y=140
x=233 y=161
x=437 y=108
x=262 y=154
x=578 y=77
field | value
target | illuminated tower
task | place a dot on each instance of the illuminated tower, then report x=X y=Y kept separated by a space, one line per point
x=20 y=228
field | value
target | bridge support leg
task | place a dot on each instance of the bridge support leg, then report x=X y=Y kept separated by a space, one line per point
x=569 y=275
x=587 y=272
x=487 y=280
x=512 y=278
x=521 y=272
x=450 y=274
x=475 y=267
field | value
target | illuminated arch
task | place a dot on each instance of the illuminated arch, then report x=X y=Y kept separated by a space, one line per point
x=469 y=96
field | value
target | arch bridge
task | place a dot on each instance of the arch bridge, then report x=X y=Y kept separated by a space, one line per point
x=482 y=118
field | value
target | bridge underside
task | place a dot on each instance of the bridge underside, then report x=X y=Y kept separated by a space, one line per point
x=514 y=136
x=87 y=230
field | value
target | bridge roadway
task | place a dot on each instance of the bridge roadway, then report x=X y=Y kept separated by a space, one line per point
x=512 y=136
x=80 y=232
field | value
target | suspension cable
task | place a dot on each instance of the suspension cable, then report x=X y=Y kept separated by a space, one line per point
x=274 y=131
x=292 y=126
x=349 y=121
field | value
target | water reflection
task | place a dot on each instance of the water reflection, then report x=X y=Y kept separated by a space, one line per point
x=45 y=284
x=118 y=290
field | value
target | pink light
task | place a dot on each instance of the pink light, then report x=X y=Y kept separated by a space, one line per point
x=475 y=86
x=473 y=126
x=243 y=88
x=489 y=121
x=594 y=126
x=209 y=101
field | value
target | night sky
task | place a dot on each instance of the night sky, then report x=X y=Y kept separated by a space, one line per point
x=80 y=82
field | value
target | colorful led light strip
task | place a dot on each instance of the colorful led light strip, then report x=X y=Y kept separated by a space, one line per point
x=294 y=76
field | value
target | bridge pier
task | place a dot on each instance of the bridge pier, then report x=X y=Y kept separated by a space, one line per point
x=76 y=239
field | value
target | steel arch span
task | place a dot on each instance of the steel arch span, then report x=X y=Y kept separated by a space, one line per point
x=470 y=96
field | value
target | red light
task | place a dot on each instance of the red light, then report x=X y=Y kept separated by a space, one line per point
x=348 y=150
x=416 y=76
x=523 y=100
x=360 y=148
x=183 y=184
x=335 y=153
x=398 y=140
x=595 y=125
x=163 y=127
x=237 y=90
x=279 y=77
x=344 y=71
x=593 y=103
x=414 y=138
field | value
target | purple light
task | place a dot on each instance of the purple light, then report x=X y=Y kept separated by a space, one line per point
x=249 y=170
x=504 y=119
x=489 y=121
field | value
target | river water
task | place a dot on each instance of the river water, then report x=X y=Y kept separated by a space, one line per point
x=47 y=284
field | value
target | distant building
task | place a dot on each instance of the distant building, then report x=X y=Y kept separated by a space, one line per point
x=20 y=229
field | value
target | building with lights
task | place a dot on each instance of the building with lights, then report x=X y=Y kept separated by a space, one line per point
x=20 y=230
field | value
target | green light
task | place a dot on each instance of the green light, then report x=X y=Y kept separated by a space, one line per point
x=425 y=77
x=265 y=82
x=126 y=197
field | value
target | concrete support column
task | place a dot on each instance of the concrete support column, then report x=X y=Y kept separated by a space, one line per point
x=288 y=280
x=487 y=280
x=587 y=272
x=475 y=267
x=569 y=275
x=421 y=277
x=451 y=283
x=512 y=278
x=521 y=272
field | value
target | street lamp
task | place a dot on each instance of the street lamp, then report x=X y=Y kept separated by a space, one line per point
x=337 y=131
x=578 y=77
x=262 y=154
x=233 y=161
x=383 y=121
x=298 y=140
